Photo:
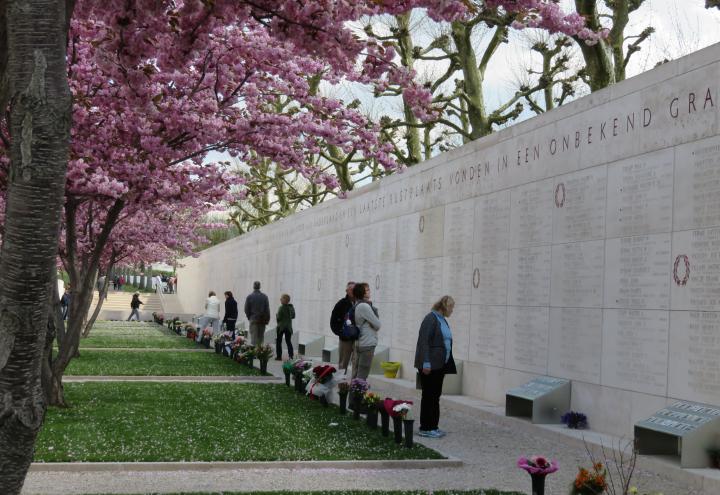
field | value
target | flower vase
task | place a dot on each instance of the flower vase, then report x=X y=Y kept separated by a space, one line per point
x=323 y=400
x=263 y=366
x=287 y=379
x=206 y=342
x=343 y=403
x=397 y=428
x=356 y=413
x=218 y=347
x=250 y=362
x=298 y=383
x=538 y=484
x=372 y=418
x=385 y=421
x=408 y=425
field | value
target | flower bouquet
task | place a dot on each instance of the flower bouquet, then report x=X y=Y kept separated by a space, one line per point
x=371 y=401
x=190 y=331
x=287 y=368
x=207 y=334
x=221 y=340
x=538 y=467
x=236 y=345
x=574 y=420
x=358 y=387
x=321 y=382
x=299 y=367
x=245 y=355
x=590 y=482
x=263 y=353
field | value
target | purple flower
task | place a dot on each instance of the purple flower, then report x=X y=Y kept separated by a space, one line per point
x=537 y=465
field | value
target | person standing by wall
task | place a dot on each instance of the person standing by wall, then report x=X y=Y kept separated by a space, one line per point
x=284 y=318
x=212 y=313
x=337 y=318
x=231 y=313
x=135 y=307
x=434 y=360
x=257 y=311
x=368 y=322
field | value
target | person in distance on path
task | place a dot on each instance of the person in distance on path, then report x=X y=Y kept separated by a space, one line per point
x=284 y=318
x=135 y=307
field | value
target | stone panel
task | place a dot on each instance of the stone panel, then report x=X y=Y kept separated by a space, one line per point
x=635 y=350
x=420 y=235
x=487 y=335
x=640 y=195
x=529 y=276
x=459 y=228
x=490 y=278
x=492 y=222
x=697 y=185
x=695 y=365
x=577 y=274
x=575 y=338
x=531 y=214
x=579 y=209
x=695 y=270
x=526 y=345
x=637 y=272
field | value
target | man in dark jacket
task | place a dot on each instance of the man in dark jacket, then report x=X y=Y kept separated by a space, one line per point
x=257 y=310
x=231 y=312
x=336 y=324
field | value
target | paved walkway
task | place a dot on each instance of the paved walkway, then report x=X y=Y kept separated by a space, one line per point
x=487 y=443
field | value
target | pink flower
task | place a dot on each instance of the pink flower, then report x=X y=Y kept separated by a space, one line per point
x=537 y=465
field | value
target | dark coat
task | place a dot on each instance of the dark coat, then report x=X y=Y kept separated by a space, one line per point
x=231 y=309
x=284 y=317
x=257 y=308
x=337 y=317
x=135 y=303
x=431 y=344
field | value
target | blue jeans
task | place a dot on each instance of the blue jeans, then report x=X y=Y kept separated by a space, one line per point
x=288 y=340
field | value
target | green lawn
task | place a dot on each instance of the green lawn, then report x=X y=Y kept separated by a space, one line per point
x=205 y=422
x=113 y=334
x=153 y=363
x=417 y=492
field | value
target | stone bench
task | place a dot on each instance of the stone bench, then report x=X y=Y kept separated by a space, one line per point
x=331 y=353
x=310 y=345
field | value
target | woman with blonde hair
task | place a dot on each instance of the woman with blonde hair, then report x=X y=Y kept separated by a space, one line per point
x=434 y=360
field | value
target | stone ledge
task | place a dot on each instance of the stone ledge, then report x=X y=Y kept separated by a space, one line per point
x=74 y=467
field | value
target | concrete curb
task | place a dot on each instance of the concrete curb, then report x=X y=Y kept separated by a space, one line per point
x=184 y=379
x=87 y=467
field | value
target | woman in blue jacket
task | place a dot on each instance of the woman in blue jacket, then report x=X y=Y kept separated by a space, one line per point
x=434 y=360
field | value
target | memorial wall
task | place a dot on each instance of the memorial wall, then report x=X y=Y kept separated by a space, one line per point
x=582 y=244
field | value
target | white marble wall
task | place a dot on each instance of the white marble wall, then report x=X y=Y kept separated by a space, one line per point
x=582 y=244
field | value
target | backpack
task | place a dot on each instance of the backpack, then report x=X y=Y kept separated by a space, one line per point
x=349 y=331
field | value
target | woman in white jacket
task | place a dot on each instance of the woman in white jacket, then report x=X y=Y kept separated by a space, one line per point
x=367 y=320
x=212 y=313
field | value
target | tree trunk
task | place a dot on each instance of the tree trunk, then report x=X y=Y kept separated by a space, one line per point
x=412 y=133
x=101 y=300
x=40 y=114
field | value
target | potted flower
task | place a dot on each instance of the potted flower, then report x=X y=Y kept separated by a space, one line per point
x=190 y=331
x=298 y=369
x=371 y=400
x=246 y=355
x=343 y=391
x=287 y=368
x=321 y=382
x=538 y=467
x=404 y=410
x=236 y=346
x=263 y=353
x=384 y=418
x=590 y=481
x=574 y=420
x=397 y=414
x=220 y=341
x=358 y=387
x=207 y=334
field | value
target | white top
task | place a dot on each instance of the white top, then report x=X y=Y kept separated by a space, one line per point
x=212 y=307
